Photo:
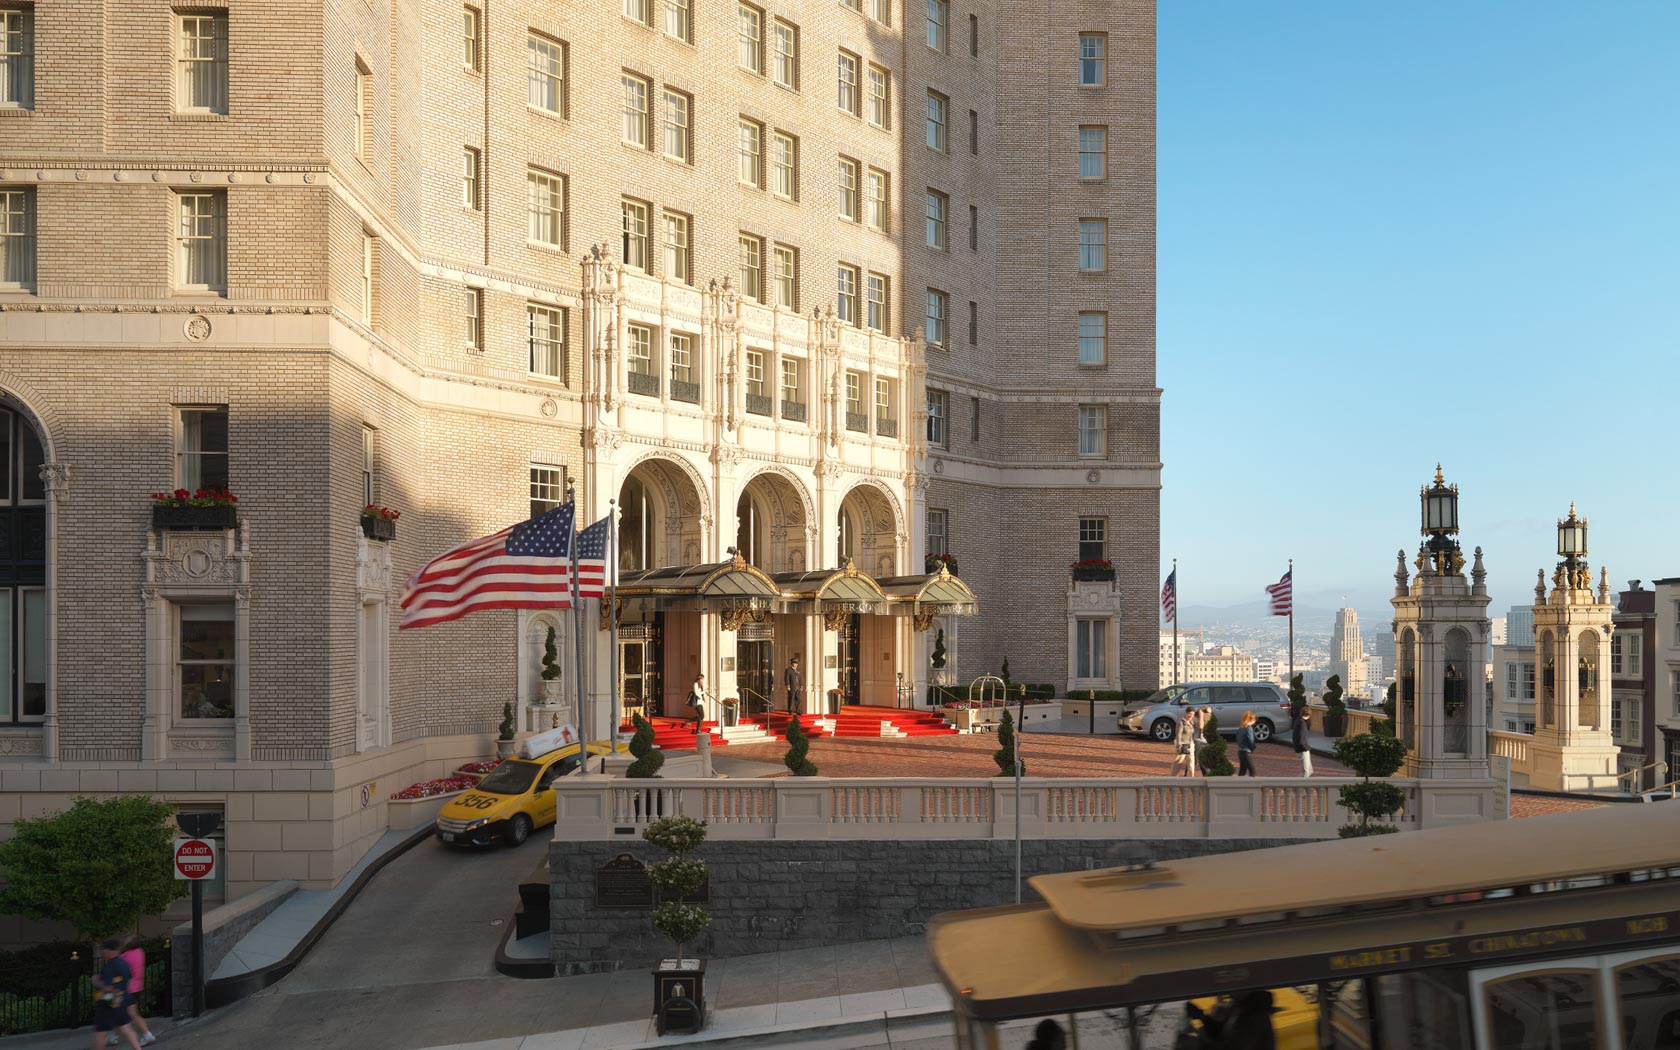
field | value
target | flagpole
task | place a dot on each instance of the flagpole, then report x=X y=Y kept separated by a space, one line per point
x=577 y=637
x=616 y=698
x=1291 y=620
x=1175 y=620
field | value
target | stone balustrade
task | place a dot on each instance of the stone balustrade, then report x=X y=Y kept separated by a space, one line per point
x=1512 y=746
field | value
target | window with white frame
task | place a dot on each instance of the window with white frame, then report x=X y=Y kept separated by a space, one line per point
x=205 y=666
x=369 y=288
x=546 y=74
x=1093 y=245
x=1626 y=654
x=679 y=21
x=638 y=11
x=749 y=169
x=367 y=466
x=938 y=532
x=634 y=109
x=854 y=393
x=17 y=57
x=364 y=111
x=1093 y=337
x=937 y=207
x=682 y=359
x=547 y=333
x=755 y=373
x=1093 y=59
x=881 y=11
x=880 y=96
x=1091 y=650
x=849 y=169
x=638 y=349
x=749 y=54
x=875 y=309
x=546 y=199
x=1615 y=718
x=884 y=401
x=784 y=165
x=875 y=200
x=469 y=178
x=202 y=449
x=938 y=120
x=1093 y=430
x=474 y=327
x=548 y=488
x=1527 y=683
x=752 y=266
x=791 y=385
x=784 y=65
x=846 y=293
x=938 y=24
x=938 y=318
x=786 y=276
x=635 y=239
x=201 y=62
x=679 y=109
x=938 y=423
x=470 y=38
x=17 y=237
x=677 y=248
x=201 y=241
x=847 y=84
x=1093 y=151
x=1093 y=538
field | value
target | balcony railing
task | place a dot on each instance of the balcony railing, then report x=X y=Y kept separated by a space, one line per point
x=886 y=427
x=794 y=410
x=681 y=391
x=641 y=383
x=758 y=404
x=857 y=421
x=1093 y=572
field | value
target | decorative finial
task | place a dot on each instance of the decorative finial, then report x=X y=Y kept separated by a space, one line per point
x=1400 y=576
x=1478 y=575
x=1540 y=586
x=1439 y=480
x=1571 y=508
x=1603 y=585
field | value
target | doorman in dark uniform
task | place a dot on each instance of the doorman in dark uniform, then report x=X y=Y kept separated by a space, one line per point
x=794 y=679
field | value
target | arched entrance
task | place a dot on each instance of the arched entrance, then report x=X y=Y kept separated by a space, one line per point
x=770 y=523
x=659 y=512
x=23 y=569
x=868 y=532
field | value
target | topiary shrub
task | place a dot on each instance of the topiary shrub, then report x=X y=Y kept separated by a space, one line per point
x=1004 y=756
x=505 y=730
x=1385 y=725
x=799 y=745
x=551 y=658
x=1333 y=695
x=648 y=757
x=1370 y=755
x=938 y=657
x=678 y=878
x=1004 y=674
x=1211 y=757
x=1297 y=696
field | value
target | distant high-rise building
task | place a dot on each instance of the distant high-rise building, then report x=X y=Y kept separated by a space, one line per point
x=1265 y=670
x=1519 y=626
x=1496 y=631
x=1224 y=664
x=1347 y=653
x=1188 y=642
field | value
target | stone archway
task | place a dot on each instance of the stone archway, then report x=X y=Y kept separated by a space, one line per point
x=771 y=519
x=661 y=516
x=867 y=530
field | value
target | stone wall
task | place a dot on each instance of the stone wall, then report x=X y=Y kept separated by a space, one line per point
x=224 y=927
x=773 y=895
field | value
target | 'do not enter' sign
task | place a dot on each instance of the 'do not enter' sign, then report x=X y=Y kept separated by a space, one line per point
x=195 y=859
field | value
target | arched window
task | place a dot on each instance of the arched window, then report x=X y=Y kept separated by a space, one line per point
x=635 y=527
x=1548 y=681
x=1587 y=673
x=23 y=570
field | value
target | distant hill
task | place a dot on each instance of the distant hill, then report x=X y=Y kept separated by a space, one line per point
x=1315 y=613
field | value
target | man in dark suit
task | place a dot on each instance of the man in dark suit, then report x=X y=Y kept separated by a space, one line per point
x=794 y=679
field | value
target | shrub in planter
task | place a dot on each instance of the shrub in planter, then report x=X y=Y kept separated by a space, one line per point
x=200 y=509
x=1004 y=756
x=1297 y=696
x=1370 y=755
x=648 y=757
x=1335 y=719
x=1211 y=758
x=677 y=878
x=798 y=747
x=551 y=658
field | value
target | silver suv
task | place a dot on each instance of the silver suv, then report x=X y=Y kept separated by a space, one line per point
x=1158 y=716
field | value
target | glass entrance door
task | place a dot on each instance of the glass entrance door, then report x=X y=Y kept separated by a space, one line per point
x=850 y=651
x=638 y=668
x=755 y=672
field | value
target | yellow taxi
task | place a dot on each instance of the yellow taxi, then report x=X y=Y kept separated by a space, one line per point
x=512 y=800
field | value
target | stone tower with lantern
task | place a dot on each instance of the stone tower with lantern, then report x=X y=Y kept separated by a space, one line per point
x=1441 y=644
x=1573 y=749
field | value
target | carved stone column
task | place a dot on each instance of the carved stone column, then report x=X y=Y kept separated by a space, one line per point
x=56 y=477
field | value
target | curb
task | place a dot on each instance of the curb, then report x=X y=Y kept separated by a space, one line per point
x=523 y=969
x=879 y=1024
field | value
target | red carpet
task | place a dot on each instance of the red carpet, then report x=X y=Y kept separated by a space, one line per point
x=675 y=734
x=854 y=720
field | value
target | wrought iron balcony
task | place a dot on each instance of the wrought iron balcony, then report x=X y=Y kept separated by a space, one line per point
x=794 y=410
x=857 y=421
x=641 y=383
x=758 y=404
x=681 y=391
x=886 y=427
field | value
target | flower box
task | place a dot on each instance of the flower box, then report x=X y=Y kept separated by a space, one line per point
x=220 y=516
x=933 y=561
x=403 y=814
x=1093 y=572
x=379 y=528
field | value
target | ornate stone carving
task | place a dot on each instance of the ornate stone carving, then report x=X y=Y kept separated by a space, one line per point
x=1478 y=574
x=923 y=619
x=56 y=477
x=1401 y=579
x=835 y=619
x=21 y=745
x=196 y=328
x=1540 y=586
x=197 y=557
x=202 y=746
x=373 y=566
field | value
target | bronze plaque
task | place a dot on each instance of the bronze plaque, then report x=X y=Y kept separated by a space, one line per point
x=623 y=883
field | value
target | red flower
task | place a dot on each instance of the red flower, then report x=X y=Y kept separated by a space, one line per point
x=181 y=494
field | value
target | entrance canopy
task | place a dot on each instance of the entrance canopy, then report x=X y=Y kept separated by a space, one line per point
x=736 y=585
x=707 y=588
x=829 y=590
x=930 y=594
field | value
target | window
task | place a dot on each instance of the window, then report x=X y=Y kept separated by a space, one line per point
x=677 y=266
x=682 y=360
x=204 y=666
x=678 y=110
x=1676 y=677
x=847 y=98
x=1093 y=539
x=938 y=116
x=938 y=409
x=790 y=381
x=1091 y=657
x=679 y=21
x=847 y=293
x=854 y=394
x=973 y=323
x=470 y=38
x=1093 y=151
x=752 y=266
x=202 y=242
x=1093 y=430
x=848 y=189
x=884 y=400
x=881 y=11
x=880 y=97
x=973 y=228
x=364 y=111
x=546 y=87
x=974 y=420
x=635 y=247
x=1093 y=59
x=938 y=24
x=1615 y=718
x=1093 y=244
x=1093 y=337
x=875 y=313
x=201 y=62
x=937 y=205
x=938 y=313
x=974 y=36
x=635 y=110
x=367 y=465
x=784 y=69
x=638 y=349
x=938 y=524
x=1626 y=652
x=786 y=276
x=547 y=327
x=1528 y=687
x=875 y=205
x=750 y=28
x=475 y=319
x=784 y=165
x=546 y=196
x=469 y=178
x=639 y=11
x=750 y=169
x=370 y=256
x=17 y=238
x=547 y=488
x=202 y=452
x=755 y=373
x=17 y=57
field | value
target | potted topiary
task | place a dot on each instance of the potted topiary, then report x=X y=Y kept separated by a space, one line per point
x=1211 y=758
x=798 y=748
x=505 y=743
x=379 y=523
x=679 y=985
x=1335 y=719
x=648 y=757
x=1004 y=756
x=1370 y=755
x=550 y=670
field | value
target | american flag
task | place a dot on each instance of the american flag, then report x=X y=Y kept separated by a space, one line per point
x=524 y=566
x=1282 y=592
x=1169 y=597
x=592 y=559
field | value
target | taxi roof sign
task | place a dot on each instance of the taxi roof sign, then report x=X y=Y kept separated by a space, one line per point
x=540 y=744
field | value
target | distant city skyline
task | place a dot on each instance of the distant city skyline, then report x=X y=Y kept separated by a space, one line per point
x=1391 y=236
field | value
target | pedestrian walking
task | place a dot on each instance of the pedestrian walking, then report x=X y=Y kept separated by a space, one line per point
x=135 y=956
x=795 y=682
x=1298 y=729
x=1245 y=745
x=1184 y=759
x=697 y=701
x=1199 y=740
x=110 y=1011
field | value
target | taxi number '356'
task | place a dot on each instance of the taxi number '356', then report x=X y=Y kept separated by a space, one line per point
x=477 y=801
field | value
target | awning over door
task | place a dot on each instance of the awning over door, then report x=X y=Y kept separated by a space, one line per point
x=929 y=595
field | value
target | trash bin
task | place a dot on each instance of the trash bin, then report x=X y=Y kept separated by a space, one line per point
x=834 y=701
x=731 y=714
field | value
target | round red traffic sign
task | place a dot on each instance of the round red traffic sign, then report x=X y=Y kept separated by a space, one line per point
x=194 y=859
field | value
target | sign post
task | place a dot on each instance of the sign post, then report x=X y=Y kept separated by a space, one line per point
x=195 y=861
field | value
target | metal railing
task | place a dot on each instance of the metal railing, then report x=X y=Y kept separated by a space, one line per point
x=747 y=698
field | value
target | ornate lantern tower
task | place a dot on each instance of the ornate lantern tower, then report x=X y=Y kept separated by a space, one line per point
x=1440 y=647
x=1573 y=749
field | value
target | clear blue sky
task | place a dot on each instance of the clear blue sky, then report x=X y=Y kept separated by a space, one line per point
x=1391 y=234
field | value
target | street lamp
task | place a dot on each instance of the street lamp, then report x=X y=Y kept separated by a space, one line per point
x=1572 y=536
x=1440 y=521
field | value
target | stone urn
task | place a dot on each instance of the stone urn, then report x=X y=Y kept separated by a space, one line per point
x=549 y=690
x=506 y=748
